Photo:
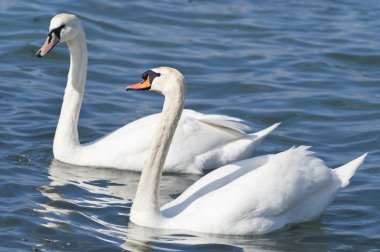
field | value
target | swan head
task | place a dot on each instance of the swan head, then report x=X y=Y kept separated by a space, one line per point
x=164 y=80
x=63 y=27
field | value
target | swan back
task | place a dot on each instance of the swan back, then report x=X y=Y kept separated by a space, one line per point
x=263 y=194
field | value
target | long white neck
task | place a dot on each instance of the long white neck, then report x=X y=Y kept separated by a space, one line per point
x=145 y=208
x=66 y=135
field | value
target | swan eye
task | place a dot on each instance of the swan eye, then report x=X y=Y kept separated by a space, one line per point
x=56 y=31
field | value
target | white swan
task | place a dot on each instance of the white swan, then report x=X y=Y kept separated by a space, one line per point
x=253 y=196
x=201 y=142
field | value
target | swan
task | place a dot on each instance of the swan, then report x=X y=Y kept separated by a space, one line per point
x=252 y=196
x=202 y=142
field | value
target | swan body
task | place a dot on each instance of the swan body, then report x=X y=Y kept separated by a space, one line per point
x=258 y=195
x=252 y=196
x=202 y=142
x=199 y=144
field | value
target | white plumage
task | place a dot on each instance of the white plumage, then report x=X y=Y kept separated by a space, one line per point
x=252 y=196
x=259 y=195
x=202 y=142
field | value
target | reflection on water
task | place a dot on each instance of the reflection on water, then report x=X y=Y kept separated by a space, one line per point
x=112 y=185
x=313 y=65
x=145 y=239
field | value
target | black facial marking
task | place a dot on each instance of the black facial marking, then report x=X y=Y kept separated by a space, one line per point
x=145 y=75
x=56 y=31
x=151 y=75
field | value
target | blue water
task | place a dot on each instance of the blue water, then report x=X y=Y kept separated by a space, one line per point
x=314 y=65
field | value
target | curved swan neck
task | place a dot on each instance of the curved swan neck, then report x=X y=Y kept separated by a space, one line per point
x=146 y=206
x=66 y=135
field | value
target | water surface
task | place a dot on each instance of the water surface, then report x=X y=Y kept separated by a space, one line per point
x=312 y=65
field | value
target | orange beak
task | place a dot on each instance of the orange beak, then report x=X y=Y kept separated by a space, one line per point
x=143 y=85
x=51 y=41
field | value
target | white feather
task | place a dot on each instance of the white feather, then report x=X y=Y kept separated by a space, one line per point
x=199 y=144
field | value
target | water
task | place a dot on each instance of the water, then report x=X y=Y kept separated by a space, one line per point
x=312 y=65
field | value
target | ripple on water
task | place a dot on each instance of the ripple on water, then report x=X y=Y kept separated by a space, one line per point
x=311 y=65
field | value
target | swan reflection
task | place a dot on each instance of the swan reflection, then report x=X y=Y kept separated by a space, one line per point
x=76 y=189
x=149 y=239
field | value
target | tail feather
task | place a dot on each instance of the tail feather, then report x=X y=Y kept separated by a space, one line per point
x=345 y=172
x=263 y=133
